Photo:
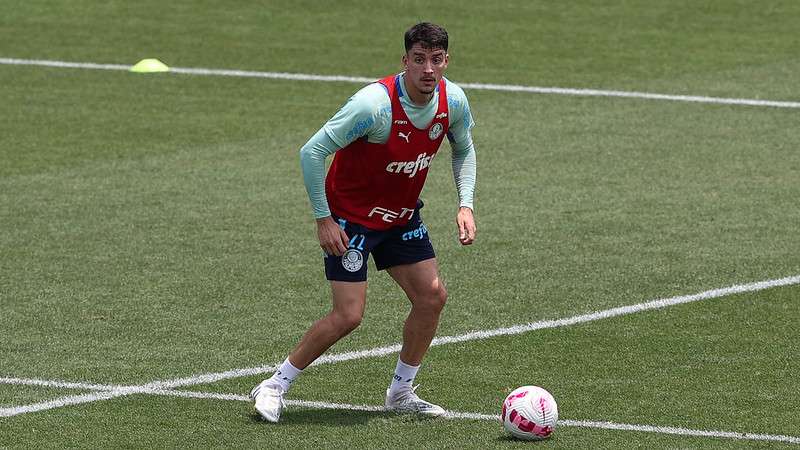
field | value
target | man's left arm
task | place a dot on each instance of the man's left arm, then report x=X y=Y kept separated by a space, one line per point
x=464 y=164
x=464 y=171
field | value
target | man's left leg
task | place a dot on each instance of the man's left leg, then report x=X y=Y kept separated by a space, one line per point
x=421 y=283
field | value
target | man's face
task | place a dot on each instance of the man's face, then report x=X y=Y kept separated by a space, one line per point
x=424 y=69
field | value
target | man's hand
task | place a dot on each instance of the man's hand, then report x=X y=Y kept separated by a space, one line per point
x=332 y=237
x=466 y=226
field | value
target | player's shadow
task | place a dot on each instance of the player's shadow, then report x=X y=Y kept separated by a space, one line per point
x=341 y=417
x=335 y=417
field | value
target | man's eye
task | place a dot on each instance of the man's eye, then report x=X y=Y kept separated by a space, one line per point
x=418 y=60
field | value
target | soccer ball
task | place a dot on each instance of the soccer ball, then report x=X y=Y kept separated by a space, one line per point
x=530 y=413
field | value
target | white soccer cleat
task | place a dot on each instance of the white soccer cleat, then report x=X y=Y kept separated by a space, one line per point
x=269 y=401
x=406 y=401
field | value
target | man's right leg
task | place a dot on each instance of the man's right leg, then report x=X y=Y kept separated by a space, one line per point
x=348 y=300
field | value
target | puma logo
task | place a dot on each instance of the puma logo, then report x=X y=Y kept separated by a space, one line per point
x=404 y=136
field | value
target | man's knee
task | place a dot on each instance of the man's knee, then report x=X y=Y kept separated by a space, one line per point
x=433 y=298
x=347 y=321
x=348 y=306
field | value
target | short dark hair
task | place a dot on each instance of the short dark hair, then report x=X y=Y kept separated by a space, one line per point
x=429 y=35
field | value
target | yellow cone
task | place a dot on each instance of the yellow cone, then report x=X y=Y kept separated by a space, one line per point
x=149 y=65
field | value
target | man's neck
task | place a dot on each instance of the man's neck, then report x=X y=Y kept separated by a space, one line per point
x=417 y=98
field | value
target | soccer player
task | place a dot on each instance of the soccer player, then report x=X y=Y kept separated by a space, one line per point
x=383 y=141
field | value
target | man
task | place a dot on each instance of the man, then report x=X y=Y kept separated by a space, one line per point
x=383 y=141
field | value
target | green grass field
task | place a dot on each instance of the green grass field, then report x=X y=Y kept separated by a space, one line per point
x=155 y=227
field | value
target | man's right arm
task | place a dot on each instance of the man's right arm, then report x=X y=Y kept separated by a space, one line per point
x=312 y=161
x=332 y=238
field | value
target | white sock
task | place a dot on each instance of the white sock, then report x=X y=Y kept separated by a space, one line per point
x=286 y=374
x=403 y=376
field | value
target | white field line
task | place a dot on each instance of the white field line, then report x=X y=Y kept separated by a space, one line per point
x=681 y=431
x=106 y=392
x=517 y=329
x=476 y=86
x=60 y=384
x=631 y=94
x=109 y=391
x=58 y=403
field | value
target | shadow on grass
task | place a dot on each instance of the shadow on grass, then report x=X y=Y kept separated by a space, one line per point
x=508 y=440
x=338 y=417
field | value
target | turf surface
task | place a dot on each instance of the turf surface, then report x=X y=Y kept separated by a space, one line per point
x=155 y=227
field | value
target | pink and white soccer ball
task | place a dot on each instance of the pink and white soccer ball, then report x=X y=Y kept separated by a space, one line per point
x=530 y=413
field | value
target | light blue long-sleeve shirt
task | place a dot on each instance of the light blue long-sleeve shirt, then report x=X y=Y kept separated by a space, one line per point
x=368 y=113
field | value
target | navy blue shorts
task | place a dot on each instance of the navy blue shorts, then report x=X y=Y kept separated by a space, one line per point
x=399 y=245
